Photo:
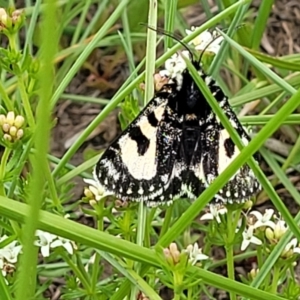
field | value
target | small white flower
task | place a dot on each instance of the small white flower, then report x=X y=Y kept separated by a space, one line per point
x=45 y=240
x=291 y=248
x=195 y=253
x=10 y=252
x=248 y=238
x=96 y=189
x=296 y=248
x=174 y=66
x=279 y=229
x=67 y=244
x=215 y=212
x=263 y=220
x=206 y=41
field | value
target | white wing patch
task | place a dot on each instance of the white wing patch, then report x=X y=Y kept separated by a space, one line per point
x=142 y=166
x=224 y=159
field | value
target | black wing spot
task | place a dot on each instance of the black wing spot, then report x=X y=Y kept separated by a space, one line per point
x=152 y=119
x=229 y=147
x=142 y=142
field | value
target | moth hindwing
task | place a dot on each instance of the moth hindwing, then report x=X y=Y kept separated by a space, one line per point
x=176 y=147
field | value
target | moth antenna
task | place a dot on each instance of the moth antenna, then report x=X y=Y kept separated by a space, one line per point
x=203 y=51
x=171 y=35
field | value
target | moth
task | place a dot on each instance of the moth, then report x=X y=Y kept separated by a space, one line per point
x=176 y=147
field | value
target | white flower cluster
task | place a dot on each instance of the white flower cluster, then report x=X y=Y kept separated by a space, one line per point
x=9 y=256
x=47 y=241
x=195 y=254
x=215 y=212
x=11 y=126
x=95 y=192
x=205 y=41
x=272 y=227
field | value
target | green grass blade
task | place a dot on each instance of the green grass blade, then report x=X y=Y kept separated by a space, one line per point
x=87 y=51
x=170 y=8
x=105 y=242
x=274 y=77
x=27 y=270
x=135 y=279
x=261 y=22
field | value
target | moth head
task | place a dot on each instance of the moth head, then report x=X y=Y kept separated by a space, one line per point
x=175 y=66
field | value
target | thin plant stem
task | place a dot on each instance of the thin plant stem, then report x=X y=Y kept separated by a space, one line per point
x=76 y=271
x=142 y=217
x=4 y=160
x=5 y=98
x=26 y=103
x=229 y=249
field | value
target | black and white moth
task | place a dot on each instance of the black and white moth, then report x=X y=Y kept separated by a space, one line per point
x=176 y=146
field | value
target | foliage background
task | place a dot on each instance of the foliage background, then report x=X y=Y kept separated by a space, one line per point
x=97 y=49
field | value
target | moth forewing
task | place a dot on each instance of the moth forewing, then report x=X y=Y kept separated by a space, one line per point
x=232 y=139
x=134 y=165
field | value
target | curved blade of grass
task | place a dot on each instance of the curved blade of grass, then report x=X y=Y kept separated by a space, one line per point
x=108 y=243
x=275 y=62
x=262 y=68
x=267 y=155
x=5 y=293
x=27 y=270
x=135 y=279
x=261 y=120
x=31 y=28
x=260 y=22
x=262 y=92
x=170 y=14
x=150 y=52
x=87 y=51
x=78 y=170
x=78 y=232
x=219 y=58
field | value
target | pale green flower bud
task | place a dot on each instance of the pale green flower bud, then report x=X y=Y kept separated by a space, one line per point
x=10 y=118
x=87 y=192
x=20 y=134
x=17 y=18
x=269 y=234
x=2 y=119
x=279 y=229
x=93 y=203
x=287 y=253
x=16 y=14
x=5 y=127
x=7 y=137
x=248 y=204
x=13 y=131
x=3 y=16
x=19 y=121
x=253 y=273
x=174 y=253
